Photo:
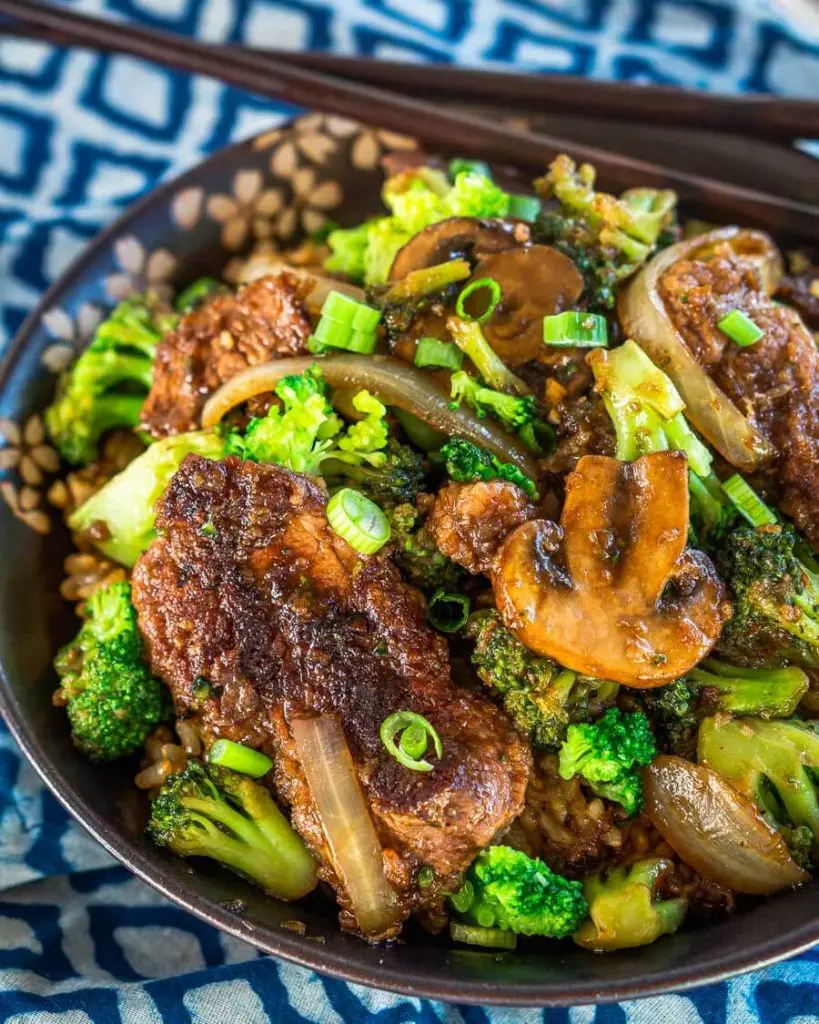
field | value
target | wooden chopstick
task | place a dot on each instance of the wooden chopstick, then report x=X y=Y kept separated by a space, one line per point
x=775 y=118
x=440 y=128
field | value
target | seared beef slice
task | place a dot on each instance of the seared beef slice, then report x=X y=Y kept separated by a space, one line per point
x=265 y=320
x=250 y=589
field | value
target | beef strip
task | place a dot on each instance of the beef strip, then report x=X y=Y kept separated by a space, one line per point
x=213 y=343
x=249 y=588
x=774 y=382
x=469 y=522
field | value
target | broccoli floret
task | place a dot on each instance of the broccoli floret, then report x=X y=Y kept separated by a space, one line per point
x=469 y=338
x=197 y=294
x=767 y=693
x=466 y=462
x=775 y=597
x=608 y=238
x=125 y=505
x=607 y=753
x=112 y=700
x=504 y=888
x=416 y=553
x=107 y=385
x=416 y=198
x=672 y=710
x=513 y=411
x=398 y=479
x=624 y=911
x=775 y=763
x=539 y=696
x=204 y=811
x=305 y=431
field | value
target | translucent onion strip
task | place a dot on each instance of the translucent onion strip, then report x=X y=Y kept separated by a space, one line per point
x=715 y=829
x=345 y=819
x=396 y=383
x=645 y=319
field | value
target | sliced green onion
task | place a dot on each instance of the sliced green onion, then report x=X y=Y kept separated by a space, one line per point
x=463 y=899
x=331 y=334
x=482 y=284
x=366 y=319
x=748 y=503
x=413 y=741
x=425 y=877
x=472 y=935
x=196 y=293
x=400 y=722
x=460 y=165
x=427 y=280
x=523 y=207
x=585 y=330
x=448 y=611
x=239 y=758
x=433 y=354
x=340 y=307
x=740 y=328
x=358 y=520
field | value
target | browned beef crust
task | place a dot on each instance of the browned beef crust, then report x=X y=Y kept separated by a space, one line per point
x=213 y=343
x=250 y=589
x=775 y=382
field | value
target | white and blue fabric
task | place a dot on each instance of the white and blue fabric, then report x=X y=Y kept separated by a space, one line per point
x=82 y=136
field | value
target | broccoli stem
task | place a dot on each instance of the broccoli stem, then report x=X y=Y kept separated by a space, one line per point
x=769 y=693
x=468 y=336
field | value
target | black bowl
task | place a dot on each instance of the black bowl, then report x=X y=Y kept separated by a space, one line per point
x=285 y=182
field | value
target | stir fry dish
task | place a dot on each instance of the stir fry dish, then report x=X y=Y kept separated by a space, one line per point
x=461 y=564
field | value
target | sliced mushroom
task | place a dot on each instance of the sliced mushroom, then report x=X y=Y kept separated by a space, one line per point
x=613 y=592
x=453 y=238
x=646 y=318
x=535 y=282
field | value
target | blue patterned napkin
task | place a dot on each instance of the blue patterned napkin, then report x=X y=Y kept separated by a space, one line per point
x=81 y=136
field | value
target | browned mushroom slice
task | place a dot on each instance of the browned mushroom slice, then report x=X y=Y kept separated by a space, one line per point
x=535 y=282
x=613 y=592
x=453 y=238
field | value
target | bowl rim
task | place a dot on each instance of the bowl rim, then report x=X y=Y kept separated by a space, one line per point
x=293 y=948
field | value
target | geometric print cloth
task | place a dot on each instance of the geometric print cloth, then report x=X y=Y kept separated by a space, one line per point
x=82 y=136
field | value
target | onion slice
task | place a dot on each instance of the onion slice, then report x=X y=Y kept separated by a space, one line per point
x=645 y=319
x=394 y=382
x=346 y=822
x=717 y=831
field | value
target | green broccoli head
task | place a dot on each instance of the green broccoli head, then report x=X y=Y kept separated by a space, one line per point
x=775 y=763
x=624 y=911
x=539 y=696
x=607 y=753
x=515 y=412
x=204 y=811
x=608 y=238
x=672 y=709
x=116 y=703
x=416 y=553
x=416 y=198
x=398 y=479
x=775 y=598
x=466 y=462
x=107 y=385
x=506 y=889
x=125 y=505
x=112 y=700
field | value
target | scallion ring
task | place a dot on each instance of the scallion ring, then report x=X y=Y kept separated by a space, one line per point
x=239 y=758
x=748 y=502
x=573 y=328
x=408 y=753
x=740 y=328
x=432 y=354
x=448 y=611
x=358 y=520
x=523 y=207
x=472 y=935
x=482 y=284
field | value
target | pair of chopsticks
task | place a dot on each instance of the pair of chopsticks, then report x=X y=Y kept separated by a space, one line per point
x=362 y=97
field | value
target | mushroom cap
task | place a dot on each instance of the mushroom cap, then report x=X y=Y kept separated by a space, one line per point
x=535 y=281
x=613 y=592
x=453 y=238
